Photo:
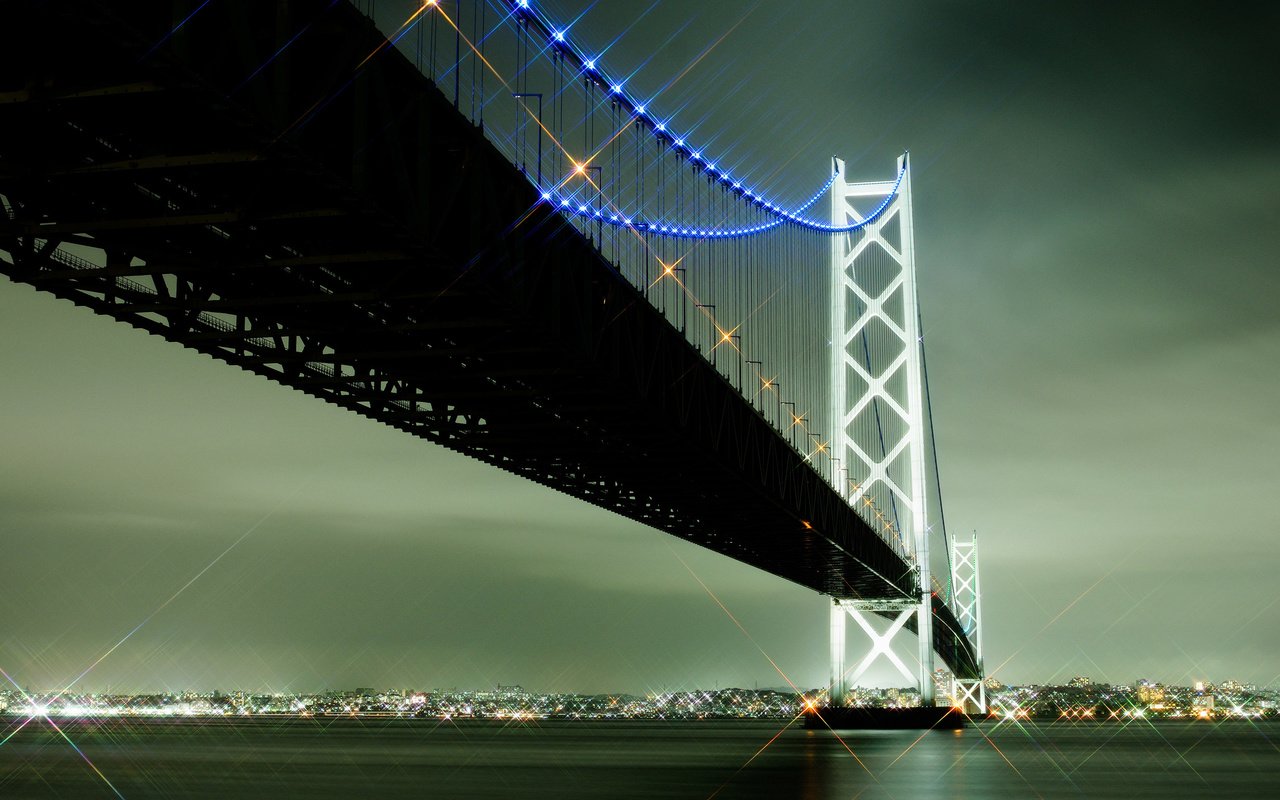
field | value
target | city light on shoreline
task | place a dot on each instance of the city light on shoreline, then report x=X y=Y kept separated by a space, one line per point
x=1080 y=700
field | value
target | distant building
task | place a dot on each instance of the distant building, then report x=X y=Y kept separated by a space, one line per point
x=1231 y=687
x=942 y=682
x=1150 y=693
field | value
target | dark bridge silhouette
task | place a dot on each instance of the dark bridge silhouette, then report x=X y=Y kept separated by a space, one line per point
x=346 y=232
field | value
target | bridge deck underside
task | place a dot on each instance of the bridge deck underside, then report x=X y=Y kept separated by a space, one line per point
x=347 y=233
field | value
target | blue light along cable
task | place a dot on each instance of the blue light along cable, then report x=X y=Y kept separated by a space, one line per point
x=567 y=206
x=558 y=39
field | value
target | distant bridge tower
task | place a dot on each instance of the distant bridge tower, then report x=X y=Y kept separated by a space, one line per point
x=966 y=601
x=877 y=391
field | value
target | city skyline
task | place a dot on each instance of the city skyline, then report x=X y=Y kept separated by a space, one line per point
x=942 y=674
x=1093 y=223
x=1080 y=699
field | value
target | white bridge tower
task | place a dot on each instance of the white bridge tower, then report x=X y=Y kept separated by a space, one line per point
x=877 y=383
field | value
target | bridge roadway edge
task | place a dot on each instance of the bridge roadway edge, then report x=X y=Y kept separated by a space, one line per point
x=254 y=209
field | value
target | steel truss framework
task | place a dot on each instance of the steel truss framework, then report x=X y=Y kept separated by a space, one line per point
x=356 y=239
x=966 y=590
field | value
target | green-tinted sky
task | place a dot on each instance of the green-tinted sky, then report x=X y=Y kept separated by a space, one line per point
x=1097 y=200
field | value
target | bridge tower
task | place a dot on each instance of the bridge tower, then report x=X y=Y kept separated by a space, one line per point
x=877 y=396
x=966 y=601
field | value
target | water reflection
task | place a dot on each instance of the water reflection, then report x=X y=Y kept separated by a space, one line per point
x=541 y=759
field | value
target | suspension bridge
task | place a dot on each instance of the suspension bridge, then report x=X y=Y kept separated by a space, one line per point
x=453 y=218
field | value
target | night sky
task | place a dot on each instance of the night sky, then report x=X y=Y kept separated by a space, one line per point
x=1097 y=201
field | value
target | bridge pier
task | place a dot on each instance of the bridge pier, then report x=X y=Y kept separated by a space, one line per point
x=969 y=695
x=862 y=611
x=839 y=687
